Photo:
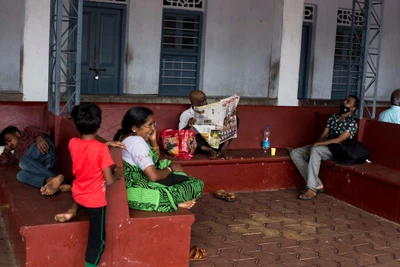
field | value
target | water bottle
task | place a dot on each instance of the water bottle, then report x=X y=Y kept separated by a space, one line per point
x=266 y=142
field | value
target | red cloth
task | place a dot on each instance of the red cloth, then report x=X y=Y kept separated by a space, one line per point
x=28 y=136
x=89 y=159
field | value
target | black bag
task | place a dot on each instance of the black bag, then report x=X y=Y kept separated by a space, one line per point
x=172 y=179
x=349 y=152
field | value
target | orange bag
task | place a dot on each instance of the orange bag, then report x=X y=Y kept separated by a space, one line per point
x=179 y=143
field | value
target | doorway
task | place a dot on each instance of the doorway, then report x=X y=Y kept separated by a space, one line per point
x=103 y=42
x=305 y=60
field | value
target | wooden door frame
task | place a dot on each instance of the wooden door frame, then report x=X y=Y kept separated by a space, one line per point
x=123 y=37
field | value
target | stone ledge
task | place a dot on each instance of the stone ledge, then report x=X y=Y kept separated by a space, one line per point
x=10 y=96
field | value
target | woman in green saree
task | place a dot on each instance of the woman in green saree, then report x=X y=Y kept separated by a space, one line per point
x=146 y=176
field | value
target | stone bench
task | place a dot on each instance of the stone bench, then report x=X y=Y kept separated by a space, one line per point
x=375 y=186
x=133 y=237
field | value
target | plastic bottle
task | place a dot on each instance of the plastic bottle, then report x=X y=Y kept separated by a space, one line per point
x=266 y=142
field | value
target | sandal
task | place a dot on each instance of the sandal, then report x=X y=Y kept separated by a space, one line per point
x=230 y=197
x=308 y=195
x=319 y=191
x=197 y=254
x=227 y=196
x=220 y=194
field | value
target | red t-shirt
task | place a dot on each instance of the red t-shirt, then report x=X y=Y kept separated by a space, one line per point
x=89 y=159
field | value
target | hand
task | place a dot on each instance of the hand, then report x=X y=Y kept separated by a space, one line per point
x=42 y=145
x=153 y=137
x=7 y=149
x=176 y=167
x=115 y=144
x=118 y=172
x=191 y=122
x=317 y=144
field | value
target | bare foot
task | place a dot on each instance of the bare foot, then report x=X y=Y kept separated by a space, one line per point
x=223 y=152
x=52 y=185
x=63 y=217
x=188 y=204
x=64 y=188
x=212 y=154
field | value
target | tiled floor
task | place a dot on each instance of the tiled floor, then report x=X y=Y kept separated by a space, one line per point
x=6 y=257
x=275 y=229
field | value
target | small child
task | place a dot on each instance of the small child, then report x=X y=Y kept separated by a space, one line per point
x=93 y=168
x=35 y=154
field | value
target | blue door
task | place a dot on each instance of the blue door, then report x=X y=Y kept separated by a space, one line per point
x=102 y=53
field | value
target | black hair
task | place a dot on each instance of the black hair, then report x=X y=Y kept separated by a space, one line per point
x=7 y=130
x=87 y=118
x=136 y=116
x=356 y=101
x=395 y=98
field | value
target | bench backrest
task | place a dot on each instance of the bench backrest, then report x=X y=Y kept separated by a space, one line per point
x=23 y=114
x=383 y=142
x=290 y=126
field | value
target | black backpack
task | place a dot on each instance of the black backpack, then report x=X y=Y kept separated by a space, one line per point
x=349 y=152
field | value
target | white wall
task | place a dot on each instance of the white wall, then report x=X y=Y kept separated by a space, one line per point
x=143 y=48
x=238 y=43
x=324 y=49
x=36 y=50
x=12 y=17
x=389 y=78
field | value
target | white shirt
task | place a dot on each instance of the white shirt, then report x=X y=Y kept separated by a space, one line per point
x=185 y=117
x=391 y=115
x=137 y=152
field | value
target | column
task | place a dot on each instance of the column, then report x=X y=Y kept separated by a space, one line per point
x=35 y=50
x=290 y=52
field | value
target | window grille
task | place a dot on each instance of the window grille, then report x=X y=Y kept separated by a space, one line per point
x=341 y=66
x=344 y=17
x=180 y=52
x=309 y=13
x=185 y=4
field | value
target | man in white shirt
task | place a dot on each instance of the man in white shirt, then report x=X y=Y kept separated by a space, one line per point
x=187 y=120
x=392 y=115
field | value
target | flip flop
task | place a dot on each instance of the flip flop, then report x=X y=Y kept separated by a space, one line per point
x=306 y=196
x=197 y=254
x=230 y=197
x=319 y=191
x=227 y=196
x=220 y=194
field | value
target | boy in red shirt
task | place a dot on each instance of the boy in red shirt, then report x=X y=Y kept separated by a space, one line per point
x=93 y=169
x=35 y=154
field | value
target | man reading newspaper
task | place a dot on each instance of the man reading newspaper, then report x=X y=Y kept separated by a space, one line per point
x=215 y=124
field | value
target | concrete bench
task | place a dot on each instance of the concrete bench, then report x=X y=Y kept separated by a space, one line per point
x=133 y=237
x=250 y=169
x=375 y=186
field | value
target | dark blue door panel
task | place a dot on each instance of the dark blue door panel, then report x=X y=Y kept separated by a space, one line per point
x=101 y=50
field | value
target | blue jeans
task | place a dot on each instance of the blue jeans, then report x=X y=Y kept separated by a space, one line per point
x=35 y=166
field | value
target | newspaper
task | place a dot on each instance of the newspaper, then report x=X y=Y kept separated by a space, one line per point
x=217 y=122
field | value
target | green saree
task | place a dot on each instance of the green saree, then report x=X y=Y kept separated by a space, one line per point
x=145 y=195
